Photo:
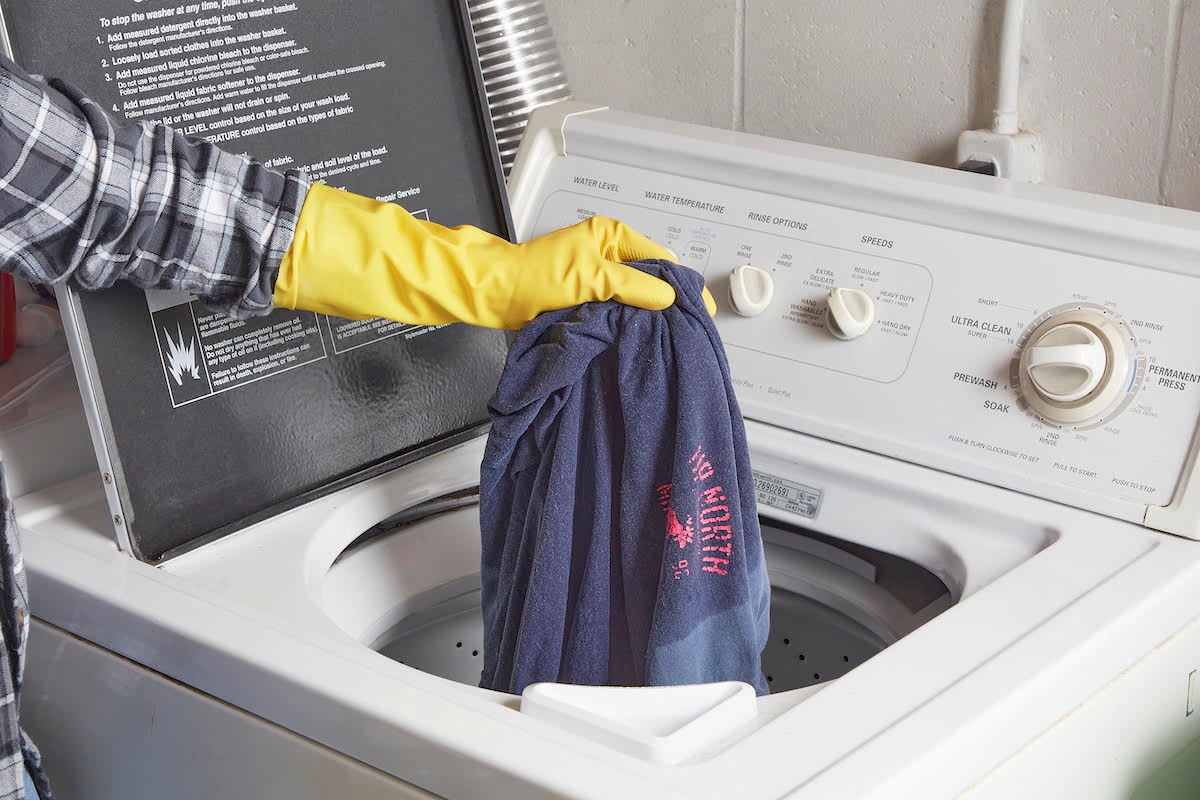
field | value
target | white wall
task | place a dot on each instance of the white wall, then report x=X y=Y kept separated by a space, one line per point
x=1113 y=88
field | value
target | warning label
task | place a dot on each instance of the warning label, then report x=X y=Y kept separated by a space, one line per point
x=178 y=345
x=205 y=353
x=238 y=351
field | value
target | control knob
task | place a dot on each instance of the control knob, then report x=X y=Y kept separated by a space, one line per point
x=1075 y=367
x=849 y=313
x=750 y=290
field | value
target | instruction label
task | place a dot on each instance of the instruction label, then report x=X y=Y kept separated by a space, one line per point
x=246 y=71
x=348 y=334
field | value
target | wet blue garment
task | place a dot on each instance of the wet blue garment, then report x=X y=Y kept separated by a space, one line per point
x=621 y=543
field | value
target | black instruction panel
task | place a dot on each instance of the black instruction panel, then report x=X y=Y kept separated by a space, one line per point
x=212 y=423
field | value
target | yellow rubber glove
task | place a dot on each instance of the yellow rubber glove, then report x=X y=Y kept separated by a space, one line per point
x=358 y=258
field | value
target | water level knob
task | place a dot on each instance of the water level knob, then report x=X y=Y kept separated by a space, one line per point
x=750 y=290
x=849 y=313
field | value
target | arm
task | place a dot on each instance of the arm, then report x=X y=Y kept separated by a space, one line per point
x=92 y=200
x=88 y=199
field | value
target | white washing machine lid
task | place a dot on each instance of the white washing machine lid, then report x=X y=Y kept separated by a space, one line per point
x=203 y=425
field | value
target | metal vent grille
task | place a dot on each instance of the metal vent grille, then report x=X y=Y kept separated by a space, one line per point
x=521 y=65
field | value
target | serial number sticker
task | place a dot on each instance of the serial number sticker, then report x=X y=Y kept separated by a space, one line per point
x=794 y=497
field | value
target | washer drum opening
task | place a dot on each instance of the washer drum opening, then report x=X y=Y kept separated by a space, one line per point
x=409 y=588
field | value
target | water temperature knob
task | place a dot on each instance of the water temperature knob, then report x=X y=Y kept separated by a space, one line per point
x=849 y=313
x=750 y=290
x=1075 y=367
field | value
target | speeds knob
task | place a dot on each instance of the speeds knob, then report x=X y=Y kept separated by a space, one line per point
x=1075 y=367
x=849 y=313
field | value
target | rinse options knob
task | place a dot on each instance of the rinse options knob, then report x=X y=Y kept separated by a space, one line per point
x=849 y=313
x=750 y=290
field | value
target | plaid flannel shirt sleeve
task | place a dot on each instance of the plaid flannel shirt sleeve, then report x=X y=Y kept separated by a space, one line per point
x=92 y=200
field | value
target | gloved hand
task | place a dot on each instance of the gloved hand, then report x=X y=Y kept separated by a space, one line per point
x=358 y=258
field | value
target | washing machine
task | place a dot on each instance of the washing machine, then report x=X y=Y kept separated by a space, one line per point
x=970 y=407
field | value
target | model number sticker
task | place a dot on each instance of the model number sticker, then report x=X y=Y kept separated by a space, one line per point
x=794 y=497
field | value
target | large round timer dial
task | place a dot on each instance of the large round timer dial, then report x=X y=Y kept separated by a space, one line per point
x=1075 y=366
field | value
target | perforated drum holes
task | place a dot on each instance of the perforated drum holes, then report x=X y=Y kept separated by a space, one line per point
x=447 y=640
x=809 y=641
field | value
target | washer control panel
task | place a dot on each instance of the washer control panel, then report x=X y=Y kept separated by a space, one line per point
x=1022 y=365
x=772 y=272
